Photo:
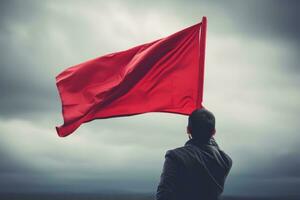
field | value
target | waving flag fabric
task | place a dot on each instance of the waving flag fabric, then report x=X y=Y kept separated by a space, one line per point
x=161 y=76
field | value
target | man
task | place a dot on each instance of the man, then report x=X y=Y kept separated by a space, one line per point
x=198 y=169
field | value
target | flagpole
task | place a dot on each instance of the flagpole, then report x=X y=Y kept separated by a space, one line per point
x=202 y=59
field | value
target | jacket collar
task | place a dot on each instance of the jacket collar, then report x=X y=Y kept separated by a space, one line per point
x=201 y=143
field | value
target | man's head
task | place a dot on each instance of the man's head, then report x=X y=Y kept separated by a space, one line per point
x=201 y=124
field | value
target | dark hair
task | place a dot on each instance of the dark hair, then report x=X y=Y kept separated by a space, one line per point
x=201 y=124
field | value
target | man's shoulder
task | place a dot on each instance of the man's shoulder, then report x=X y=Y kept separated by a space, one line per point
x=178 y=152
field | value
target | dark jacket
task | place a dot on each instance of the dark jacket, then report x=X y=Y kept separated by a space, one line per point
x=196 y=171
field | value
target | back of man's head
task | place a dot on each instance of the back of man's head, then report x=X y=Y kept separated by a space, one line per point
x=201 y=124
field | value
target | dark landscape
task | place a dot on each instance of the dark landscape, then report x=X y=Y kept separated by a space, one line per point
x=118 y=197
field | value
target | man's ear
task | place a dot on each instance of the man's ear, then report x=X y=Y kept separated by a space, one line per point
x=213 y=132
x=188 y=130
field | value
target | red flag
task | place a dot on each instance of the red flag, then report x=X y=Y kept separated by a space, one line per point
x=162 y=76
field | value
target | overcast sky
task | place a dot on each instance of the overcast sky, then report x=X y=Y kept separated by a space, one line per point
x=252 y=82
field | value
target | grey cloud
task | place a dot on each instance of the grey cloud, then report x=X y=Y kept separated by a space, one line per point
x=44 y=42
x=268 y=18
x=281 y=166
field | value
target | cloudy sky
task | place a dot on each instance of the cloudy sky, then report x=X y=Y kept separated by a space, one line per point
x=252 y=82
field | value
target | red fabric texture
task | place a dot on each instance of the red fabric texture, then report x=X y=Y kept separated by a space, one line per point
x=162 y=76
